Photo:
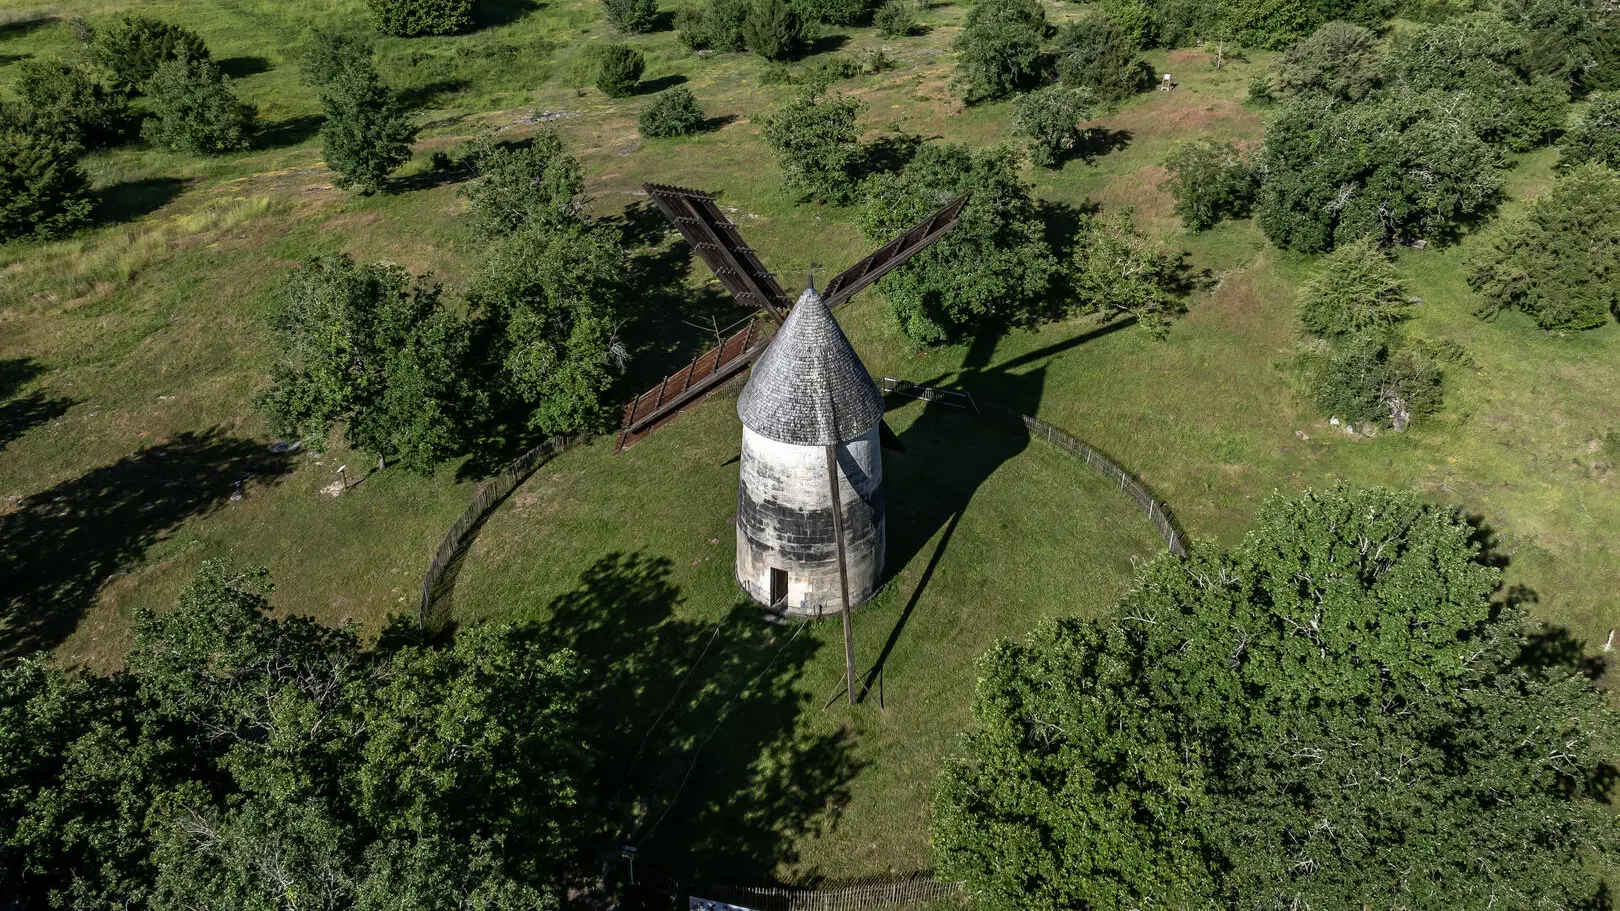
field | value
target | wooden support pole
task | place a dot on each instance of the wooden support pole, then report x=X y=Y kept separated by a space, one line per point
x=843 y=571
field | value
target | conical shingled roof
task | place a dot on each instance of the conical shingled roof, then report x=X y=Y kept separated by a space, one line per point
x=809 y=388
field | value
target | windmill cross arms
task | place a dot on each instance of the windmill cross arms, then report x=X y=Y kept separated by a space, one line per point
x=717 y=241
x=892 y=254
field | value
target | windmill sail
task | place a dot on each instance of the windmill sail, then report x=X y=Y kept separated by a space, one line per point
x=892 y=254
x=721 y=246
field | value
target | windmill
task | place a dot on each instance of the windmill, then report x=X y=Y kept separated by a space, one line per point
x=810 y=498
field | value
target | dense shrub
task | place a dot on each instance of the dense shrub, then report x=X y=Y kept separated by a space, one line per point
x=999 y=49
x=411 y=18
x=1211 y=181
x=896 y=18
x=1339 y=60
x=995 y=268
x=71 y=103
x=517 y=187
x=833 y=12
x=131 y=48
x=1368 y=379
x=1119 y=272
x=1575 y=41
x=674 y=112
x=329 y=52
x=1595 y=136
x=718 y=26
x=1559 y=261
x=1097 y=53
x=618 y=70
x=1334 y=173
x=1050 y=117
x=632 y=16
x=1356 y=290
x=773 y=30
x=816 y=140
x=367 y=134
x=43 y=191
x=191 y=107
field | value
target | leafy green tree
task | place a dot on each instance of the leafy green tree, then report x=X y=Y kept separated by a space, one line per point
x=1334 y=714
x=673 y=112
x=896 y=18
x=1595 y=136
x=717 y=25
x=999 y=50
x=132 y=47
x=1558 y=262
x=553 y=296
x=833 y=12
x=329 y=52
x=632 y=16
x=1339 y=60
x=191 y=108
x=1372 y=379
x=1140 y=21
x=1211 y=181
x=43 y=191
x=371 y=347
x=1119 y=272
x=1334 y=173
x=1355 y=290
x=773 y=30
x=412 y=18
x=367 y=133
x=816 y=139
x=618 y=70
x=1050 y=118
x=535 y=184
x=71 y=103
x=1574 y=41
x=1096 y=53
x=995 y=267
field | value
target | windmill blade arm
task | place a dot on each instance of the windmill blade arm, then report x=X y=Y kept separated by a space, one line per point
x=893 y=254
x=720 y=245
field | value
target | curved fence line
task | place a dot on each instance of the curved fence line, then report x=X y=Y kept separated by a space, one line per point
x=1151 y=506
x=447 y=560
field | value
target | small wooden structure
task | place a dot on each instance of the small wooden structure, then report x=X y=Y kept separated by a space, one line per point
x=1166 y=84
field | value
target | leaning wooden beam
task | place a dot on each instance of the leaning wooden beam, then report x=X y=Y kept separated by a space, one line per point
x=894 y=253
x=721 y=246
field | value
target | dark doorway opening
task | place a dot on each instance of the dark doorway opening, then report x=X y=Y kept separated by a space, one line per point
x=778 y=588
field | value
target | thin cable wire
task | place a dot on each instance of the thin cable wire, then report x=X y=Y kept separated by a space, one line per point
x=640 y=750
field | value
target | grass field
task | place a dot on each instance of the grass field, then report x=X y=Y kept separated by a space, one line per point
x=130 y=449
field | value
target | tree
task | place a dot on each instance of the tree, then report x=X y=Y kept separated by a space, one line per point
x=773 y=30
x=1334 y=714
x=1559 y=261
x=833 y=12
x=632 y=16
x=191 y=108
x=1334 y=173
x=896 y=18
x=132 y=47
x=1595 y=136
x=815 y=137
x=1211 y=181
x=413 y=18
x=370 y=346
x=673 y=112
x=528 y=185
x=330 y=52
x=71 y=103
x=718 y=25
x=1338 y=60
x=1573 y=41
x=43 y=191
x=1370 y=378
x=998 y=50
x=995 y=267
x=618 y=69
x=1050 y=117
x=1096 y=53
x=1355 y=291
x=367 y=134
x=1119 y=272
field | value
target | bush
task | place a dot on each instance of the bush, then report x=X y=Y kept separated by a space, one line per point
x=618 y=70
x=132 y=47
x=412 y=18
x=1096 y=53
x=632 y=16
x=1355 y=290
x=1211 y=181
x=999 y=47
x=995 y=268
x=71 y=103
x=366 y=134
x=717 y=26
x=329 y=53
x=43 y=191
x=519 y=187
x=1119 y=272
x=1137 y=21
x=1595 y=136
x=896 y=18
x=1558 y=262
x=190 y=107
x=816 y=141
x=773 y=30
x=832 y=12
x=1051 y=118
x=674 y=112
x=1371 y=380
x=1339 y=60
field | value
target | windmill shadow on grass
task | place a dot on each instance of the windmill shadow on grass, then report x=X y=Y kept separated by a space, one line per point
x=699 y=757
x=60 y=545
x=20 y=413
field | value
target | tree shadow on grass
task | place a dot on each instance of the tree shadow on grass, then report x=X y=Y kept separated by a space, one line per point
x=824 y=44
x=430 y=94
x=503 y=12
x=19 y=413
x=20 y=27
x=654 y=86
x=239 y=67
x=1099 y=141
x=131 y=199
x=9 y=59
x=702 y=760
x=60 y=545
x=289 y=132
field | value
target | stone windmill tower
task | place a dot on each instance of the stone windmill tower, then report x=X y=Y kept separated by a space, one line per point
x=810 y=530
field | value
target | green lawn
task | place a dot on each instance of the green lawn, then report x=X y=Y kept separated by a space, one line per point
x=130 y=356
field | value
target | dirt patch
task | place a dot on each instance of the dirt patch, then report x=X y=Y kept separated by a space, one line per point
x=1184 y=115
x=1189 y=55
x=1143 y=190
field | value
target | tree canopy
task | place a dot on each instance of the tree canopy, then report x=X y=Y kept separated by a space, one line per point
x=367 y=134
x=816 y=138
x=1333 y=714
x=1356 y=289
x=1595 y=135
x=191 y=107
x=1339 y=60
x=999 y=49
x=1119 y=272
x=1211 y=181
x=1050 y=118
x=43 y=191
x=1099 y=54
x=132 y=47
x=518 y=186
